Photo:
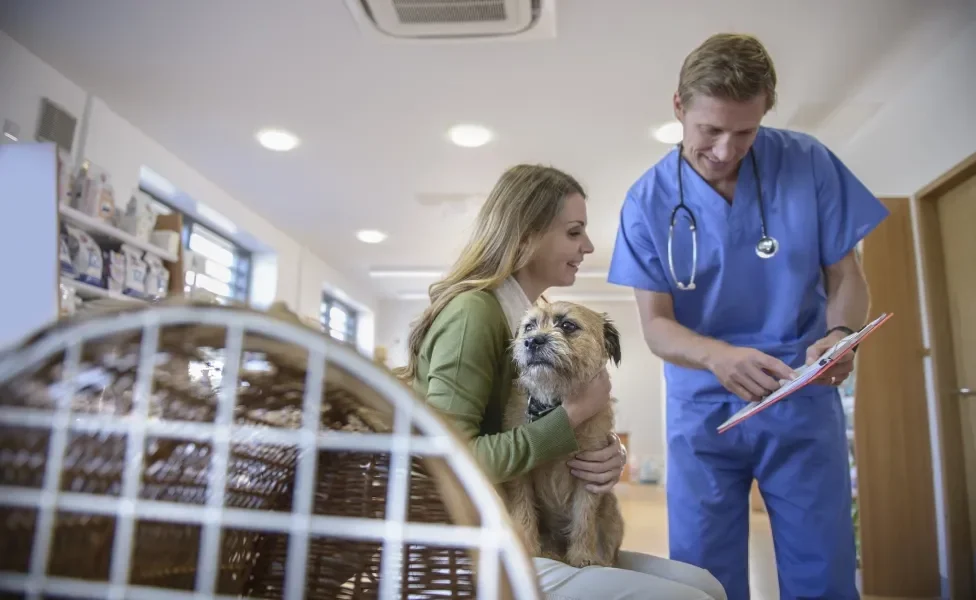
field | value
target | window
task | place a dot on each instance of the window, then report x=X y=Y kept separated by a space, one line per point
x=338 y=319
x=224 y=268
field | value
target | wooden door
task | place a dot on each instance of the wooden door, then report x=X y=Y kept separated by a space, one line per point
x=892 y=446
x=947 y=219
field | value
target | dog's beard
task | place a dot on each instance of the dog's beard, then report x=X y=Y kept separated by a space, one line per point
x=546 y=373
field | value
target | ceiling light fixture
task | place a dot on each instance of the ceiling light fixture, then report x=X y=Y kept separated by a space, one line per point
x=469 y=136
x=370 y=236
x=669 y=133
x=277 y=140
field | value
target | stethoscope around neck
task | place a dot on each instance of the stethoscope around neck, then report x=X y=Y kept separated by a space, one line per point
x=765 y=248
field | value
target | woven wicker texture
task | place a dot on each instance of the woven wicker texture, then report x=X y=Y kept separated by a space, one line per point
x=260 y=477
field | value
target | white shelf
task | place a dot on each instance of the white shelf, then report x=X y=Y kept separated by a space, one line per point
x=99 y=228
x=88 y=291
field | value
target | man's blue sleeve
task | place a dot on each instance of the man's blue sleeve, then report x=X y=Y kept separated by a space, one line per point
x=847 y=210
x=635 y=262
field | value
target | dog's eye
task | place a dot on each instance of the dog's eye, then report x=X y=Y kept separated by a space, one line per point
x=568 y=326
x=529 y=327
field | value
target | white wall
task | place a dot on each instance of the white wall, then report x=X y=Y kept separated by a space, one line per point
x=296 y=275
x=919 y=135
x=637 y=383
x=925 y=130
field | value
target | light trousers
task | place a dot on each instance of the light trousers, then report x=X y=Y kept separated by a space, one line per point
x=636 y=577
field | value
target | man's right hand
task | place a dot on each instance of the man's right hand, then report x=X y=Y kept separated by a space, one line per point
x=747 y=372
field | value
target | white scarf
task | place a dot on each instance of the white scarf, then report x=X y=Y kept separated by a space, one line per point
x=514 y=302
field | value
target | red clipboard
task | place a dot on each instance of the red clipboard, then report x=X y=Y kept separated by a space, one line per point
x=807 y=374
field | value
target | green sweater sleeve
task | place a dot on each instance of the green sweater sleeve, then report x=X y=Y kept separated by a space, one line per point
x=467 y=344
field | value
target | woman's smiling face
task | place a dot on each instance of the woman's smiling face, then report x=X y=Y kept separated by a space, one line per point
x=561 y=250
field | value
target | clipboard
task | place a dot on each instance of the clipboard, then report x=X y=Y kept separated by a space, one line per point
x=808 y=373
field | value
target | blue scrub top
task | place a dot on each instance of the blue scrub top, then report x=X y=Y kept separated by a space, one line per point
x=815 y=207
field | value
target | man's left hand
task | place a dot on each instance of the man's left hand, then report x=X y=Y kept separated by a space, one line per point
x=841 y=370
x=601 y=468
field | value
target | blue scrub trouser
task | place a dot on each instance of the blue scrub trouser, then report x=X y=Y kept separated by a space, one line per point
x=797 y=450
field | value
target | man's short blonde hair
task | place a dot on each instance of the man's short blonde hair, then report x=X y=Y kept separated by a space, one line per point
x=728 y=66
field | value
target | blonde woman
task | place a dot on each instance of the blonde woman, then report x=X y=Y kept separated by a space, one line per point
x=530 y=235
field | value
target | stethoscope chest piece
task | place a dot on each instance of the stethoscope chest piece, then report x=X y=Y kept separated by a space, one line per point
x=767 y=247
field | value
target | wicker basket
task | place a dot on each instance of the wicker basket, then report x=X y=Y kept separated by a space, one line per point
x=199 y=451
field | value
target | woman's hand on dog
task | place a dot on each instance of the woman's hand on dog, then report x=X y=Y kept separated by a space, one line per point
x=592 y=399
x=601 y=468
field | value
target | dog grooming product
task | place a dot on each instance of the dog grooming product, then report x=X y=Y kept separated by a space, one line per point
x=95 y=194
x=139 y=218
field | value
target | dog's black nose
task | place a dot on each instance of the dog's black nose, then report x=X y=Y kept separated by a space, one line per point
x=536 y=341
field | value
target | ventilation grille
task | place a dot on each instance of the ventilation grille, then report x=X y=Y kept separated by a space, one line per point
x=56 y=125
x=415 y=12
x=455 y=19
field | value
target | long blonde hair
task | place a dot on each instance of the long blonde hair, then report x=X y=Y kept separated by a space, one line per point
x=519 y=210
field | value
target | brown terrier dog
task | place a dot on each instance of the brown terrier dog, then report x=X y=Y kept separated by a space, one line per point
x=559 y=348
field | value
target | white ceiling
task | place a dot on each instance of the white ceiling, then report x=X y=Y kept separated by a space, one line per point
x=202 y=77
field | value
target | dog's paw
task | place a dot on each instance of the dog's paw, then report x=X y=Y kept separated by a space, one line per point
x=532 y=547
x=579 y=564
x=585 y=560
x=551 y=555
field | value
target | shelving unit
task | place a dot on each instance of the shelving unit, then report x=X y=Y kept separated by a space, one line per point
x=100 y=230
x=91 y=292
x=108 y=236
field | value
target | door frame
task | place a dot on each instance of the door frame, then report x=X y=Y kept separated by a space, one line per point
x=951 y=498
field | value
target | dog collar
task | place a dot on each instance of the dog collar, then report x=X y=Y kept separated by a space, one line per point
x=538 y=409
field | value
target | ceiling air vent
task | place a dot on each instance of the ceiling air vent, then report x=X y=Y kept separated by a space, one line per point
x=56 y=125
x=454 y=20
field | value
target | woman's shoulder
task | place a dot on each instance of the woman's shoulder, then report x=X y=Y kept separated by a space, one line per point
x=478 y=303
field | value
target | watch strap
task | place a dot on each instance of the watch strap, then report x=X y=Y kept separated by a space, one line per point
x=846 y=331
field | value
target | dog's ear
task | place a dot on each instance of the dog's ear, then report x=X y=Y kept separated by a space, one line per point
x=611 y=340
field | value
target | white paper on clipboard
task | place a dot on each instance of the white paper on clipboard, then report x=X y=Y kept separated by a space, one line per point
x=806 y=374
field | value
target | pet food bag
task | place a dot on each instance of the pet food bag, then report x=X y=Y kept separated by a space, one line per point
x=87 y=261
x=157 y=276
x=134 y=282
x=114 y=271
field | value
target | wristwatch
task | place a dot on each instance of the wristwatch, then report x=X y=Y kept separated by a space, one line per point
x=846 y=331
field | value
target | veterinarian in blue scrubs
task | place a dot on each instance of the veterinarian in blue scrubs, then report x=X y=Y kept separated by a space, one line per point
x=768 y=278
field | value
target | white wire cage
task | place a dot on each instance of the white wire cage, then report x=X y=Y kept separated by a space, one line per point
x=174 y=452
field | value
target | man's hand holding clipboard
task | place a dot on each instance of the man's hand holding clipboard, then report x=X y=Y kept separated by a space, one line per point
x=835 y=361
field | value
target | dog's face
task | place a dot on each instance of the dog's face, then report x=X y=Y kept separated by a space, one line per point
x=562 y=344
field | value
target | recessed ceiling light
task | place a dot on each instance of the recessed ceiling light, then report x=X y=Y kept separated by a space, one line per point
x=277 y=140
x=469 y=136
x=669 y=133
x=370 y=236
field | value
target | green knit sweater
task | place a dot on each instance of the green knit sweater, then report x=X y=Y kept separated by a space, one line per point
x=465 y=371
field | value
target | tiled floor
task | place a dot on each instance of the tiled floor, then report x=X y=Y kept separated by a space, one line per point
x=646 y=530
